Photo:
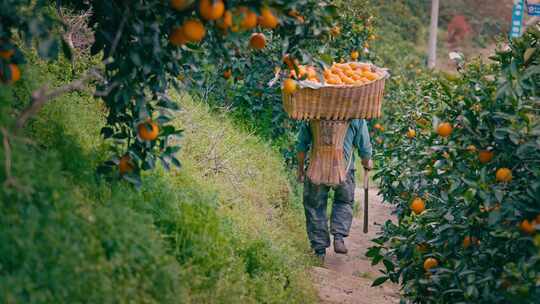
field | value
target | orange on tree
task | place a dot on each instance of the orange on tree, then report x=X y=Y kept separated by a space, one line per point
x=211 y=9
x=15 y=74
x=377 y=126
x=268 y=19
x=249 y=18
x=444 y=129
x=194 y=30
x=7 y=54
x=335 y=31
x=226 y=21
x=503 y=175
x=125 y=165
x=148 y=131
x=418 y=205
x=411 y=133
x=527 y=227
x=289 y=86
x=468 y=241
x=257 y=41
x=180 y=5
x=485 y=156
x=227 y=74
x=177 y=37
x=430 y=263
x=354 y=55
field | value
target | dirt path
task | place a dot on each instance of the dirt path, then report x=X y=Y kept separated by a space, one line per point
x=347 y=279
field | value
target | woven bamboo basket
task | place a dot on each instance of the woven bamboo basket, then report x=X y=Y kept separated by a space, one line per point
x=327 y=163
x=337 y=102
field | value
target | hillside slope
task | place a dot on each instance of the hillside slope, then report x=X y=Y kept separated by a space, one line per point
x=224 y=228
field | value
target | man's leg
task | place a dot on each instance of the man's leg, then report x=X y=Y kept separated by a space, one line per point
x=315 y=203
x=342 y=209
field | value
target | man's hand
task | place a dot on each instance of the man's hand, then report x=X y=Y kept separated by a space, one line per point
x=367 y=164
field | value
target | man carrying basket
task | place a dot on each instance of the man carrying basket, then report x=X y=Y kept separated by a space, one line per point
x=316 y=195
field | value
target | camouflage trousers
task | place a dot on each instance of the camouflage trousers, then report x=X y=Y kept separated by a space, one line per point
x=315 y=206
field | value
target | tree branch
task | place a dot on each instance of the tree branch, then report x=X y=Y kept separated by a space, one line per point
x=42 y=95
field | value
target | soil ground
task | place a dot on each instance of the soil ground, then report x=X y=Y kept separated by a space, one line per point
x=347 y=279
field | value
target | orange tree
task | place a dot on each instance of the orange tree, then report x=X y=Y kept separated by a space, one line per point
x=148 y=46
x=250 y=84
x=460 y=160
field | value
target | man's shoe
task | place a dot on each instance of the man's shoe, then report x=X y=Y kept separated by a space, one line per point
x=339 y=246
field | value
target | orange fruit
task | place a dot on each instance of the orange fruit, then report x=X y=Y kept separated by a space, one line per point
x=211 y=9
x=468 y=241
x=377 y=126
x=227 y=74
x=268 y=19
x=411 y=133
x=15 y=74
x=177 y=37
x=485 y=156
x=226 y=21
x=257 y=41
x=418 y=205
x=291 y=63
x=125 y=165
x=194 y=30
x=289 y=86
x=527 y=227
x=7 y=54
x=180 y=5
x=444 y=129
x=335 y=31
x=249 y=19
x=354 y=55
x=503 y=175
x=148 y=130
x=430 y=263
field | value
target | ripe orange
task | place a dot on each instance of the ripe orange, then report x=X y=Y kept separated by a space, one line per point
x=15 y=74
x=468 y=241
x=194 y=30
x=411 y=133
x=257 y=41
x=504 y=175
x=249 y=19
x=148 y=130
x=335 y=31
x=227 y=74
x=418 y=205
x=7 y=54
x=180 y=5
x=177 y=37
x=268 y=19
x=527 y=227
x=430 y=263
x=485 y=156
x=211 y=9
x=125 y=165
x=354 y=55
x=377 y=126
x=289 y=86
x=444 y=129
x=225 y=22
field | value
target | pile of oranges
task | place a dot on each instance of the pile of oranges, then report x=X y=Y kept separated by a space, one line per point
x=352 y=73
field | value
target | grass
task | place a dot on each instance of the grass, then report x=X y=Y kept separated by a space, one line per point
x=226 y=227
